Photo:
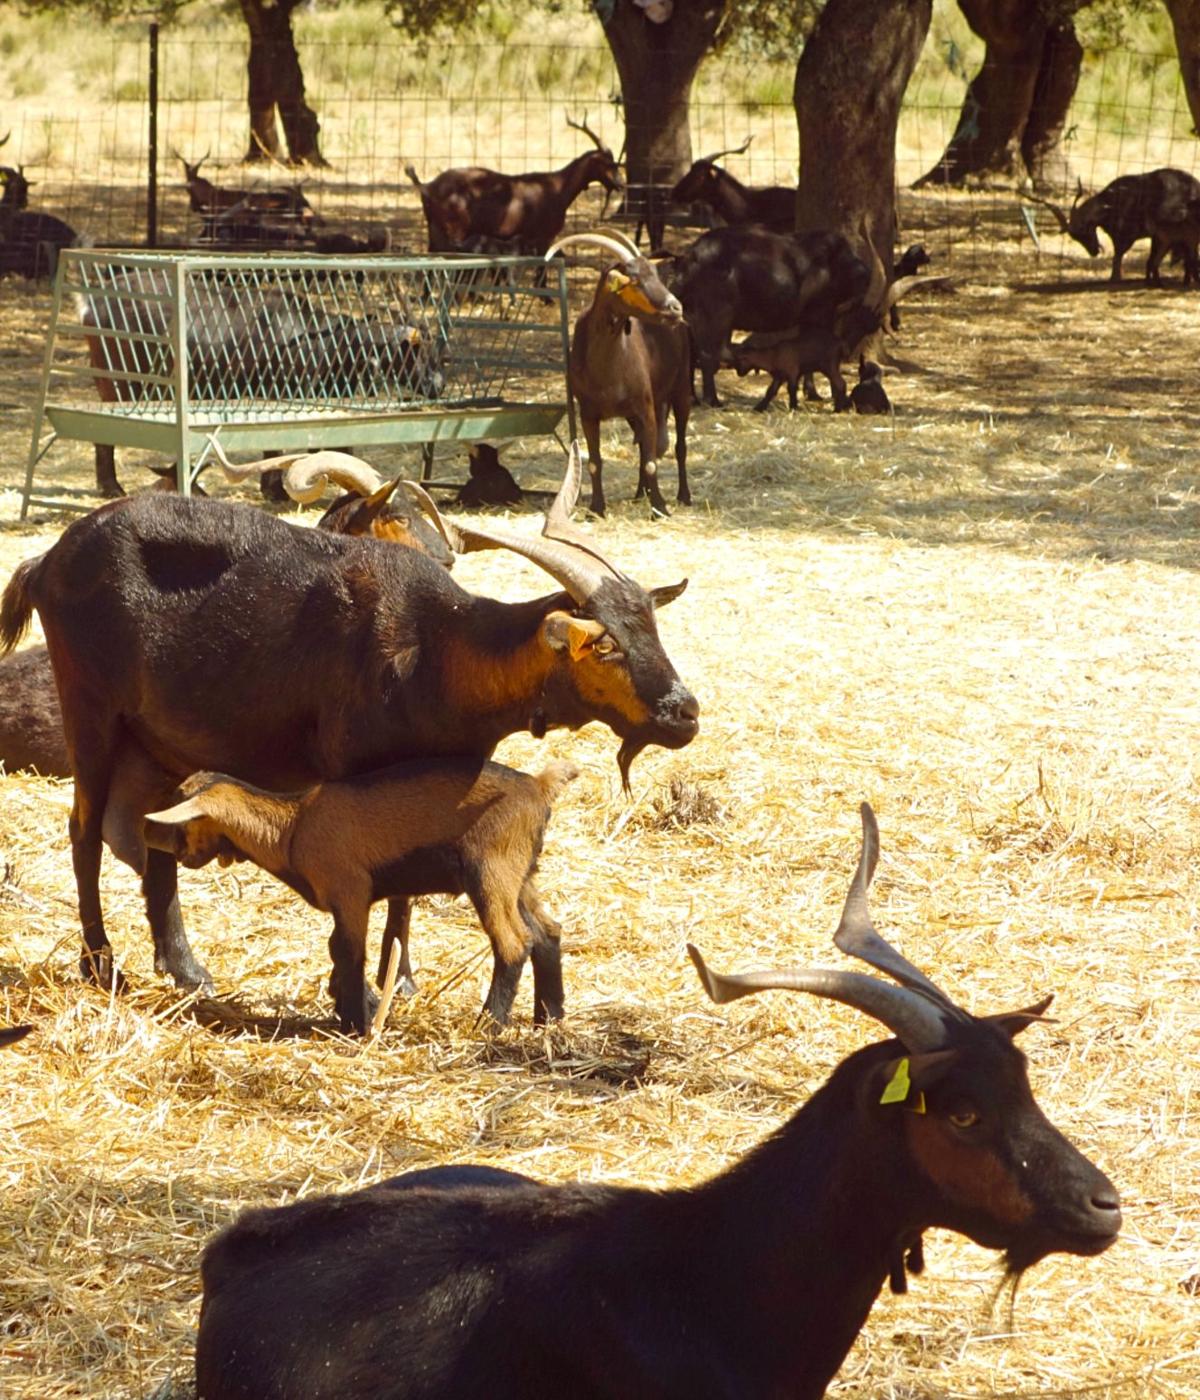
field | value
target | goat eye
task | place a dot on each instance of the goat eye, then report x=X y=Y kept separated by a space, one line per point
x=604 y=646
x=964 y=1118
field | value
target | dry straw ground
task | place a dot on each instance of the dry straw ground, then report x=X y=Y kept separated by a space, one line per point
x=983 y=617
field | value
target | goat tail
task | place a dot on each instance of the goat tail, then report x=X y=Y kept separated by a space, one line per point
x=411 y=172
x=16 y=607
x=555 y=776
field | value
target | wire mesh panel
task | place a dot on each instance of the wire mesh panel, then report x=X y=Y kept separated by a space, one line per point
x=189 y=354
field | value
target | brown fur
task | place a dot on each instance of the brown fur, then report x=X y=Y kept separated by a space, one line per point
x=469 y=827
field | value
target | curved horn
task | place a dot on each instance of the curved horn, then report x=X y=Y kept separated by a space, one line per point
x=732 y=151
x=618 y=236
x=857 y=936
x=600 y=240
x=307 y=478
x=919 y=1025
x=565 y=553
x=587 y=130
x=426 y=504
x=903 y=285
x=1064 y=221
x=877 y=287
x=240 y=471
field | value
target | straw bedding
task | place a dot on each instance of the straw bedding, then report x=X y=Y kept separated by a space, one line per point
x=982 y=617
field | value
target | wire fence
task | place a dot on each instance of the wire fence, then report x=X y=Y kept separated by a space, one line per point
x=384 y=105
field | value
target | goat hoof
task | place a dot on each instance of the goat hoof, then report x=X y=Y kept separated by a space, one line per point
x=547 y=1011
x=99 y=969
x=684 y=498
x=110 y=490
x=761 y=407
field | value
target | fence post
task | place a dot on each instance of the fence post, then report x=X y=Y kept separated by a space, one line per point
x=152 y=181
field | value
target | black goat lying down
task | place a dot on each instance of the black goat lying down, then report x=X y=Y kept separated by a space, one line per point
x=463 y=1282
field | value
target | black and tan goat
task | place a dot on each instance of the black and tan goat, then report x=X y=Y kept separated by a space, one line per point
x=462 y=1283
x=526 y=211
x=442 y=826
x=31 y=731
x=630 y=359
x=771 y=206
x=226 y=640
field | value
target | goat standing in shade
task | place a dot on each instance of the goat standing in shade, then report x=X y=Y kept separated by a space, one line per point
x=771 y=206
x=463 y=1285
x=630 y=359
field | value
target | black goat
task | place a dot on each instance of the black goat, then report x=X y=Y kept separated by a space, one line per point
x=461 y=1284
x=490 y=482
x=869 y=395
x=630 y=360
x=772 y=206
x=29 y=240
x=1127 y=209
x=752 y=280
x=227 y=640
x=525 y=212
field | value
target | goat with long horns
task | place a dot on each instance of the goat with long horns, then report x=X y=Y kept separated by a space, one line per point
x=456 y=1283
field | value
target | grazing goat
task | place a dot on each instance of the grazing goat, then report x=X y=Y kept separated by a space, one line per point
x=466 y=204
x=11 y=1034
x=29 y=241
x=869 y=395
x=773 y=207
x=440 y=826
x=226 y=640
x=629 y=359
x=1127 y=209
x=31 y=732
x=459 y=1284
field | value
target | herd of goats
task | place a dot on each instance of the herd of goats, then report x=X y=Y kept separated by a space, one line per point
x=224 y=685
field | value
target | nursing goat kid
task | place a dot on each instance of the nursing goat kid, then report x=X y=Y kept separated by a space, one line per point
x=441 y=826
x=461 y=1284
x=630 y=359
x=194 y=635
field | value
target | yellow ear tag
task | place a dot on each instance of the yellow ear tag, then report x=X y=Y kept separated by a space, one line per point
x=617 y=281
x=898 y=1085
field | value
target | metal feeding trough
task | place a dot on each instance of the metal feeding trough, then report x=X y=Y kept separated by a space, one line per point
x=199 y=356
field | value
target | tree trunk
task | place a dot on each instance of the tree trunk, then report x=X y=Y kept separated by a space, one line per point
x=1015 y=109
x=1058 y=77
x=656 y=64
x=1185 y=19
x=276 y=81
x=850 y=82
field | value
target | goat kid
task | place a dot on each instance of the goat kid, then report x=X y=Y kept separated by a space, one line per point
x=227 y=640
x=630 y=359
x=436 y=827
x=869 y=395
x=461 y=1283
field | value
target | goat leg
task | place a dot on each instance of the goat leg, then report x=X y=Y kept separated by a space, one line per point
x=353 y=1000
x=841 y=397
x=591 y=435
x=172 y=951
x=765 y=402
x=106 y=472
x=683 y=408
x=399 y=917
x=545 y=955
x=811 y=393
x=510 y=939
x=96 y=961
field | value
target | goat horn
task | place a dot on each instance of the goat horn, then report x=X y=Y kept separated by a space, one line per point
x=857 y=936
x=587 y=130
x=903 y=285
x=425 y=503
x=11 y=1034
x=600 y=240
x=4 y=141
x=877 y=287
x=564 y=554
x=1060 y=214
x=732 y=151
x=307 y=477
x=606 y=231
x=921 y=1026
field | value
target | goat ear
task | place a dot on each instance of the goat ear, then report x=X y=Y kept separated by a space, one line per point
x=617 y=281
x=660 y=597
x=1014 y=1022
x=905 y=1079
x=185 y=811
x=574 y=634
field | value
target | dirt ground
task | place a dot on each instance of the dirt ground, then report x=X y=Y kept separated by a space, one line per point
x=981 y=615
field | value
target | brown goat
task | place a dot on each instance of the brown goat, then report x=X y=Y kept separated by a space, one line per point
x=444 y=826
x=630 y=359
x=528 y=211
x=786 y=361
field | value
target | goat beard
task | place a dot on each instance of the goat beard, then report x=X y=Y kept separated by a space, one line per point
x=629 y=750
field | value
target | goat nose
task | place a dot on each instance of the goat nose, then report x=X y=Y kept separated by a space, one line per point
x=1105 y=1201
x=687 y=710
